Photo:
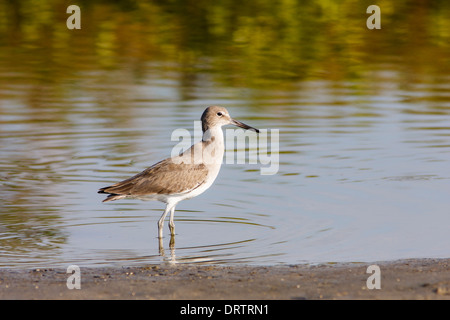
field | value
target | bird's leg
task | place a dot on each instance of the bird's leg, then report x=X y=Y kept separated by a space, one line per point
x=161 y=247
x=161 y=221
x=172 y=243
x=171 y=223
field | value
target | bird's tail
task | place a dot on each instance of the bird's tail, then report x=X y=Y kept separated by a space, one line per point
x=111 y=196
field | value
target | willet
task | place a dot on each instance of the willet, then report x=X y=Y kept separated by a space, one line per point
x=184 y=176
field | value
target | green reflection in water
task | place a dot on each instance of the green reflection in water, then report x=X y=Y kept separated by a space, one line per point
x=251 y=43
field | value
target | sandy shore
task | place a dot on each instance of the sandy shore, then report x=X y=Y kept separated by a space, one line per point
x=403 y=279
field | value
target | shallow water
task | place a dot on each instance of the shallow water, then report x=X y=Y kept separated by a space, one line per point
x=363 y=173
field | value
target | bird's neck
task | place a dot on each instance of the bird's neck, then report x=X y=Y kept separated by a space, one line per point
x=213 y=143
x=213 y=135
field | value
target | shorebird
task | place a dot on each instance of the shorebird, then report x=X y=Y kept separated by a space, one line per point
x=184 y=176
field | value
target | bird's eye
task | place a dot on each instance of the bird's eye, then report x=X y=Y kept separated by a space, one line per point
x=219 y=114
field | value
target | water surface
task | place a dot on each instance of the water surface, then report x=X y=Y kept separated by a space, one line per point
x=364 y=137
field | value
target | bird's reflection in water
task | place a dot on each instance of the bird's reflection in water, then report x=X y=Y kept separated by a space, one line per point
x=162 y=252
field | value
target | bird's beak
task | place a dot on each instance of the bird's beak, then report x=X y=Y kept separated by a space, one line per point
x=243 y=125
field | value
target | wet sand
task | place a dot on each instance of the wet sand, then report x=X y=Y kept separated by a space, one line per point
x=403 y=279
